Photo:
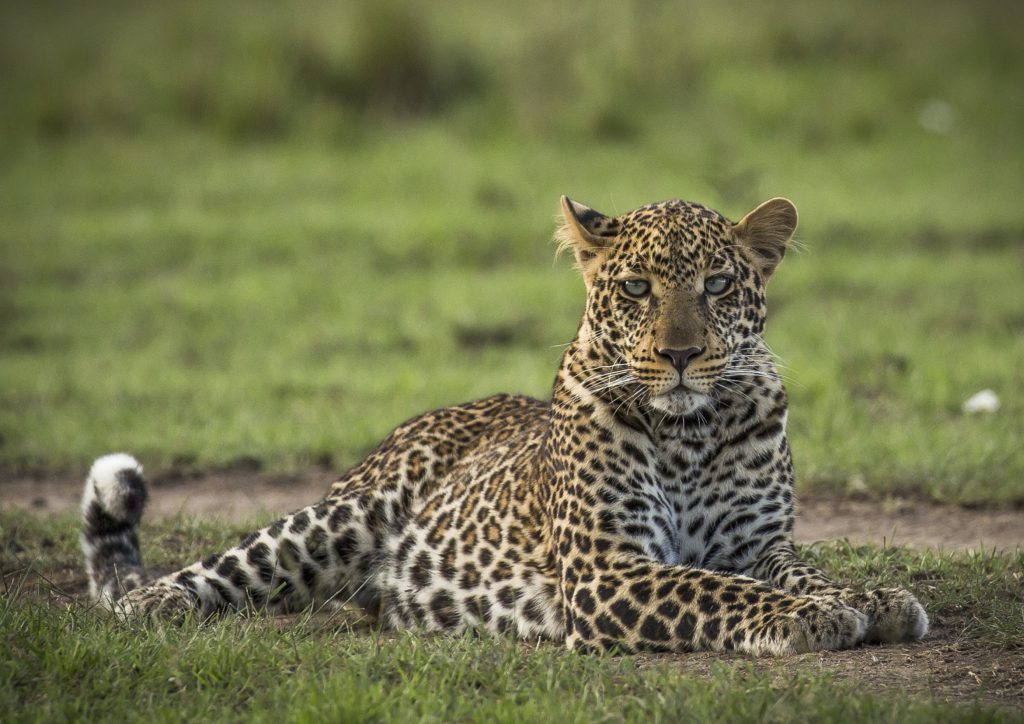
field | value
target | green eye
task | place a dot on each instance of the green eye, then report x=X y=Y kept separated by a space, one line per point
x=636 y=287
x=718 y=284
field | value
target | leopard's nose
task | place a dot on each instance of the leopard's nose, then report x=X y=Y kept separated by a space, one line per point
x=680 y=358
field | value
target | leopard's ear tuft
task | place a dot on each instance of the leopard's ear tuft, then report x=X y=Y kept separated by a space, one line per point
x=766 y=231
x=587 y=232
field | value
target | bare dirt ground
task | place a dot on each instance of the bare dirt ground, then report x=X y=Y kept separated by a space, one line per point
x=240 y=494
x=942 y=667
x=938 y=667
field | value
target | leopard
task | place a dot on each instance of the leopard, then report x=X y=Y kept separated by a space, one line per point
x=647 y=506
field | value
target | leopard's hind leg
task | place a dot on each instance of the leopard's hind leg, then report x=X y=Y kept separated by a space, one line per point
x=331 y=549
x=325 y=551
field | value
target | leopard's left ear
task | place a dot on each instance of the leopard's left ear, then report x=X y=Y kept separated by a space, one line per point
x=766 y=230
x=588 y=233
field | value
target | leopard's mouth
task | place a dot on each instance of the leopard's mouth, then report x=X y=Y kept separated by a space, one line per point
x=680 y=400
x=685 y=384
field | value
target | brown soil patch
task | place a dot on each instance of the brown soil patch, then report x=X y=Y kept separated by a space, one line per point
x=940 y=667
x=909 y=523
x=240 y=494
x=234 y=494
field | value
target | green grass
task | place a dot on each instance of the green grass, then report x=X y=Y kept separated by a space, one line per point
x=185 y=280
x=255 y=671
x=61 y=662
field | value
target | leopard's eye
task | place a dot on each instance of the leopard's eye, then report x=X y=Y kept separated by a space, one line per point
x=636 y=288
x=718 y=284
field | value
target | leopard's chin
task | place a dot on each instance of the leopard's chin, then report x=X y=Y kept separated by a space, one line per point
x=680 y=401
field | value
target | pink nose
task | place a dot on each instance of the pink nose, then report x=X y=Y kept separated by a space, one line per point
x=680 y=358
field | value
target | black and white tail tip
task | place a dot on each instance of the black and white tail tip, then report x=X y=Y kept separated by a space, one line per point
x=112 y=504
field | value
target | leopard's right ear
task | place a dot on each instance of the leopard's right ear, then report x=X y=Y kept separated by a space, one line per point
x=588 y=233
x=766 y=230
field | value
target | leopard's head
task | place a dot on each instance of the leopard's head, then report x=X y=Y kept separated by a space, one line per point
x=675 y=294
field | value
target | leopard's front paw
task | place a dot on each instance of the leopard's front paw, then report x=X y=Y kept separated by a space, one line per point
x=819 y=624
x=893 y=615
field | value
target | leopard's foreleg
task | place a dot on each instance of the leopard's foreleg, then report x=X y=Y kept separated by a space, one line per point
x=894 y=614
x=646 y=606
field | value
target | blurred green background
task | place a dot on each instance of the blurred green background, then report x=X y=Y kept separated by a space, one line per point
x=273 y=230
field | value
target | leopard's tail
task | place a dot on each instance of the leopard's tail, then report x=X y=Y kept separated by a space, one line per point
x=112 y=504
